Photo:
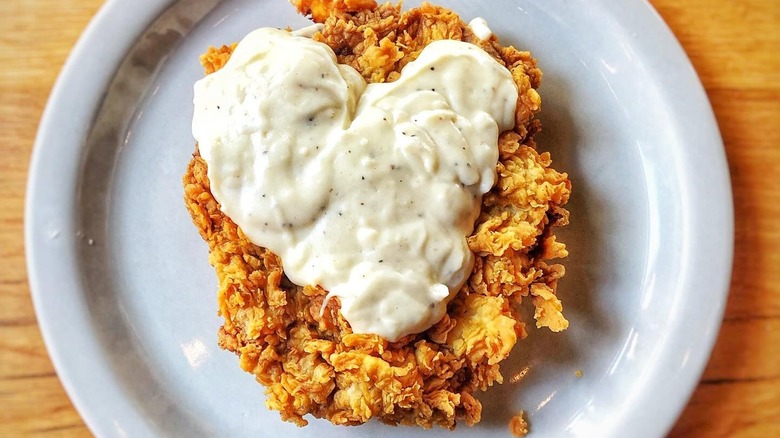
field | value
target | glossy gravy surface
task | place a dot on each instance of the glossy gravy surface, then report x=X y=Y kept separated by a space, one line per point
x=366 y=190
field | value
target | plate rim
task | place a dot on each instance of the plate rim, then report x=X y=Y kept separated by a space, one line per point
x=112 y=17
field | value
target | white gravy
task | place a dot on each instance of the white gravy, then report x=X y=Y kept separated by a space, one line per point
x=366 y=190
x=480 y=28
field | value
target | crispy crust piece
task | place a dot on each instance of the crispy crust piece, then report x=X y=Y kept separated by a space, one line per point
x=316 y=365
x=518 y=427
x=319 y=10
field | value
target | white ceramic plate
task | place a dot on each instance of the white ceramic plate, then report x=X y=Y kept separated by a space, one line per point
x=126 y=299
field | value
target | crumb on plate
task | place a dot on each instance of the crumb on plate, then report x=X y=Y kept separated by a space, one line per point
x=518 y=426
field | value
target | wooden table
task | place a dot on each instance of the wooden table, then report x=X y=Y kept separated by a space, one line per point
x=735 y=47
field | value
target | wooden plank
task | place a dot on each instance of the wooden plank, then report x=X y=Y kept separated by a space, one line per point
x=734 y=48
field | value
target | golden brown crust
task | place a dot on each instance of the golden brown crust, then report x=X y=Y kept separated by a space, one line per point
x=518 y=426
x=316 y=365
x=319 y=10
x=215 y=58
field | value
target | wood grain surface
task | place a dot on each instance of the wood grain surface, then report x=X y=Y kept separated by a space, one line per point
x=735 y=47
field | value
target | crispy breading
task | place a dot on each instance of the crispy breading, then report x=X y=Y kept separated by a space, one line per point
x=518 y=426
x=314 y=364
x=321 y=9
